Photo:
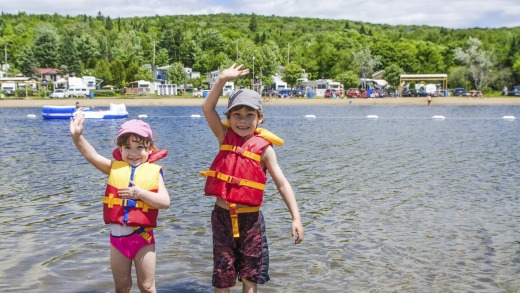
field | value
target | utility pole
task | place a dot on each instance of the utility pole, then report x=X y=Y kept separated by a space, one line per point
x=153 y=61
x=288 y=48
x=253 y=81
x=106 y=47
x=6 y=66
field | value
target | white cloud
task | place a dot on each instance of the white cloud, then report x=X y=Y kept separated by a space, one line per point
x=445 y=13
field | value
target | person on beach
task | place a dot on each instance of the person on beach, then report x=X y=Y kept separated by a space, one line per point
x=429 y=98
x=135 y=192
x=79 y=107
x=237 y=179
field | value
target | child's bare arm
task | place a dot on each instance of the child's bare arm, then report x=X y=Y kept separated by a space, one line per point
x=76 y=129
x=286 y=191
x=158 y=200
x=210 y=102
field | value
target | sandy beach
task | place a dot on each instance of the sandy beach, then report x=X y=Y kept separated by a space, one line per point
x=153 y=101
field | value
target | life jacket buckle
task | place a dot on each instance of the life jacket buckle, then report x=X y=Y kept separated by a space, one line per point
x=233 y=180
x=233 y=210
x=239 y=150
x=128 y=203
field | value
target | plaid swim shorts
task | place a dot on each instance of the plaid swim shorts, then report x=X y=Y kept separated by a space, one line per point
x=244 y=257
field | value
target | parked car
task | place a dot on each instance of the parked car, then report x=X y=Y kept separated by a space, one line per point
x=459 y=91
x=515 y=91
x=8 y=92
x=298 y=93
x=57 y=94
x=267 y=92
x=410 y=93
x=353 y=93
x=285 y=93
x=330 y=93
x=197 y=93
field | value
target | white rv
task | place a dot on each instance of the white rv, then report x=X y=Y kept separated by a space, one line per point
x=8 y=88
x=89 y=82
x=229 y=87
x=318 y=87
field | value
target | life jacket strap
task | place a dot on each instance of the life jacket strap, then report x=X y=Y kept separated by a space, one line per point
x=111 y=201
x=234 y=211
x=144 y=233
x=233 y=180
x=241 y=151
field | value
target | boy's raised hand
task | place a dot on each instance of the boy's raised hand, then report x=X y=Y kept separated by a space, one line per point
x=234 y=72
x=76 y=124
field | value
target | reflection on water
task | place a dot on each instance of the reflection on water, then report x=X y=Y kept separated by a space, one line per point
x=399 y=204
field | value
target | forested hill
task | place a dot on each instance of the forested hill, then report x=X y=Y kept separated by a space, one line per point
x=116 y=49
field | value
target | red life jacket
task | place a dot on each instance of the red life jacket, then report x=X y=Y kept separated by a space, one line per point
x=122 y=211
x=236 y=174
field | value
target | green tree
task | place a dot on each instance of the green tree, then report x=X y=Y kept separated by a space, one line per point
x=131 y=71
x=88 y=48
x=430 y=59
x=108 y=24
x=46 y=45
x=102 y=71
x=393 y=74
x=128 y=48
x=458 y=76
x=176 y=74
x=144 y=73
x=366 y=63
x=348 y=79
x=69 y=56
x=291 y=73
x=478 y=62
x=117 y=70
x=516 y=69
x=253 y=23
x=26 y=61
x=162 y=58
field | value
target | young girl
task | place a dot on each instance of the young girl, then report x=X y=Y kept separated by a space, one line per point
x=135 y=191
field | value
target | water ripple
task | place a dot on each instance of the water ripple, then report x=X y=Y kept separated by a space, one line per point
x=399 y=204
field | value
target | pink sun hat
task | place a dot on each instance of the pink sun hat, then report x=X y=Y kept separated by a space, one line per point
x=135 y=126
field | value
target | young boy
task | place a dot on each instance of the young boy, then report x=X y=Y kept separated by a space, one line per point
x=237 y=178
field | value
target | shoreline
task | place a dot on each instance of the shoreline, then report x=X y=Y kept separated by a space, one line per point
x=148 y=102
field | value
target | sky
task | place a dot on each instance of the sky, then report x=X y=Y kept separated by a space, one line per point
x=457 y=14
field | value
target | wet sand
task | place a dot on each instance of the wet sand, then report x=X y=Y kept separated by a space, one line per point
x=105 y=102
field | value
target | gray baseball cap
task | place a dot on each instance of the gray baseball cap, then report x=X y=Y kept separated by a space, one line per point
x=245 y=97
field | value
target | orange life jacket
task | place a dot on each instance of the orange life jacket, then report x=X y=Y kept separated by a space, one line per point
x=236 y=174
x=117 y=210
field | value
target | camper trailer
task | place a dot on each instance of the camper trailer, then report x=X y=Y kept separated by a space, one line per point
x=89 y=82
x=229 y=88
x=318 y=87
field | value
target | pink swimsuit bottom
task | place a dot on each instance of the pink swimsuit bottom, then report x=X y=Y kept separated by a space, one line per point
x=130 y=245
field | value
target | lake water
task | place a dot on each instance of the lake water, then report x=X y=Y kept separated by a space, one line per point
x=403 y=203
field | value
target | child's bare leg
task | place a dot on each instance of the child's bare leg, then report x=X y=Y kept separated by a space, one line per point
x=121 y=271
x=222 y=290
x=145 y=261
x=248 y=287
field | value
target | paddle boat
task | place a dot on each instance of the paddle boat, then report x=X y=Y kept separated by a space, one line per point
x=116 y=111
x=59 y=112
